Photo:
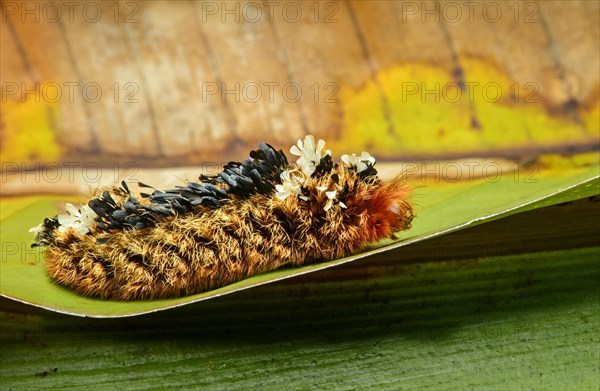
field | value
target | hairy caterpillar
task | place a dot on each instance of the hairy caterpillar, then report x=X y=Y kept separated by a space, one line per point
x=254 y=216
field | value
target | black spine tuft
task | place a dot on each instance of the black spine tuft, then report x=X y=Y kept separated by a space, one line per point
x=256 y=174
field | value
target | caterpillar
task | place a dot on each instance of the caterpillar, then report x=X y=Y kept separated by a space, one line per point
x=254 y=216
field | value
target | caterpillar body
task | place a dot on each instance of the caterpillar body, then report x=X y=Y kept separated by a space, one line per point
x=254 y=216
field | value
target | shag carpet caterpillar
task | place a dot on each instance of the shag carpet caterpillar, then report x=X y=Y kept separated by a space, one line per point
x=254 y=216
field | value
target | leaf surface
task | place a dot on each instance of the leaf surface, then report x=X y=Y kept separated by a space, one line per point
x=440 y=209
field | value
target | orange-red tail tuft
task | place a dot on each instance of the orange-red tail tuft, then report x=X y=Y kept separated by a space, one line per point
x=387 y=211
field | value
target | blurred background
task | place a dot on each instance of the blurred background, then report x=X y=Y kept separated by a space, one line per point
x=98 y=91
x=94 y=92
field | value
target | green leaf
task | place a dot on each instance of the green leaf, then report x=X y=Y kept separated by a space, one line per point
x=440 y=209
x=479 y=308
